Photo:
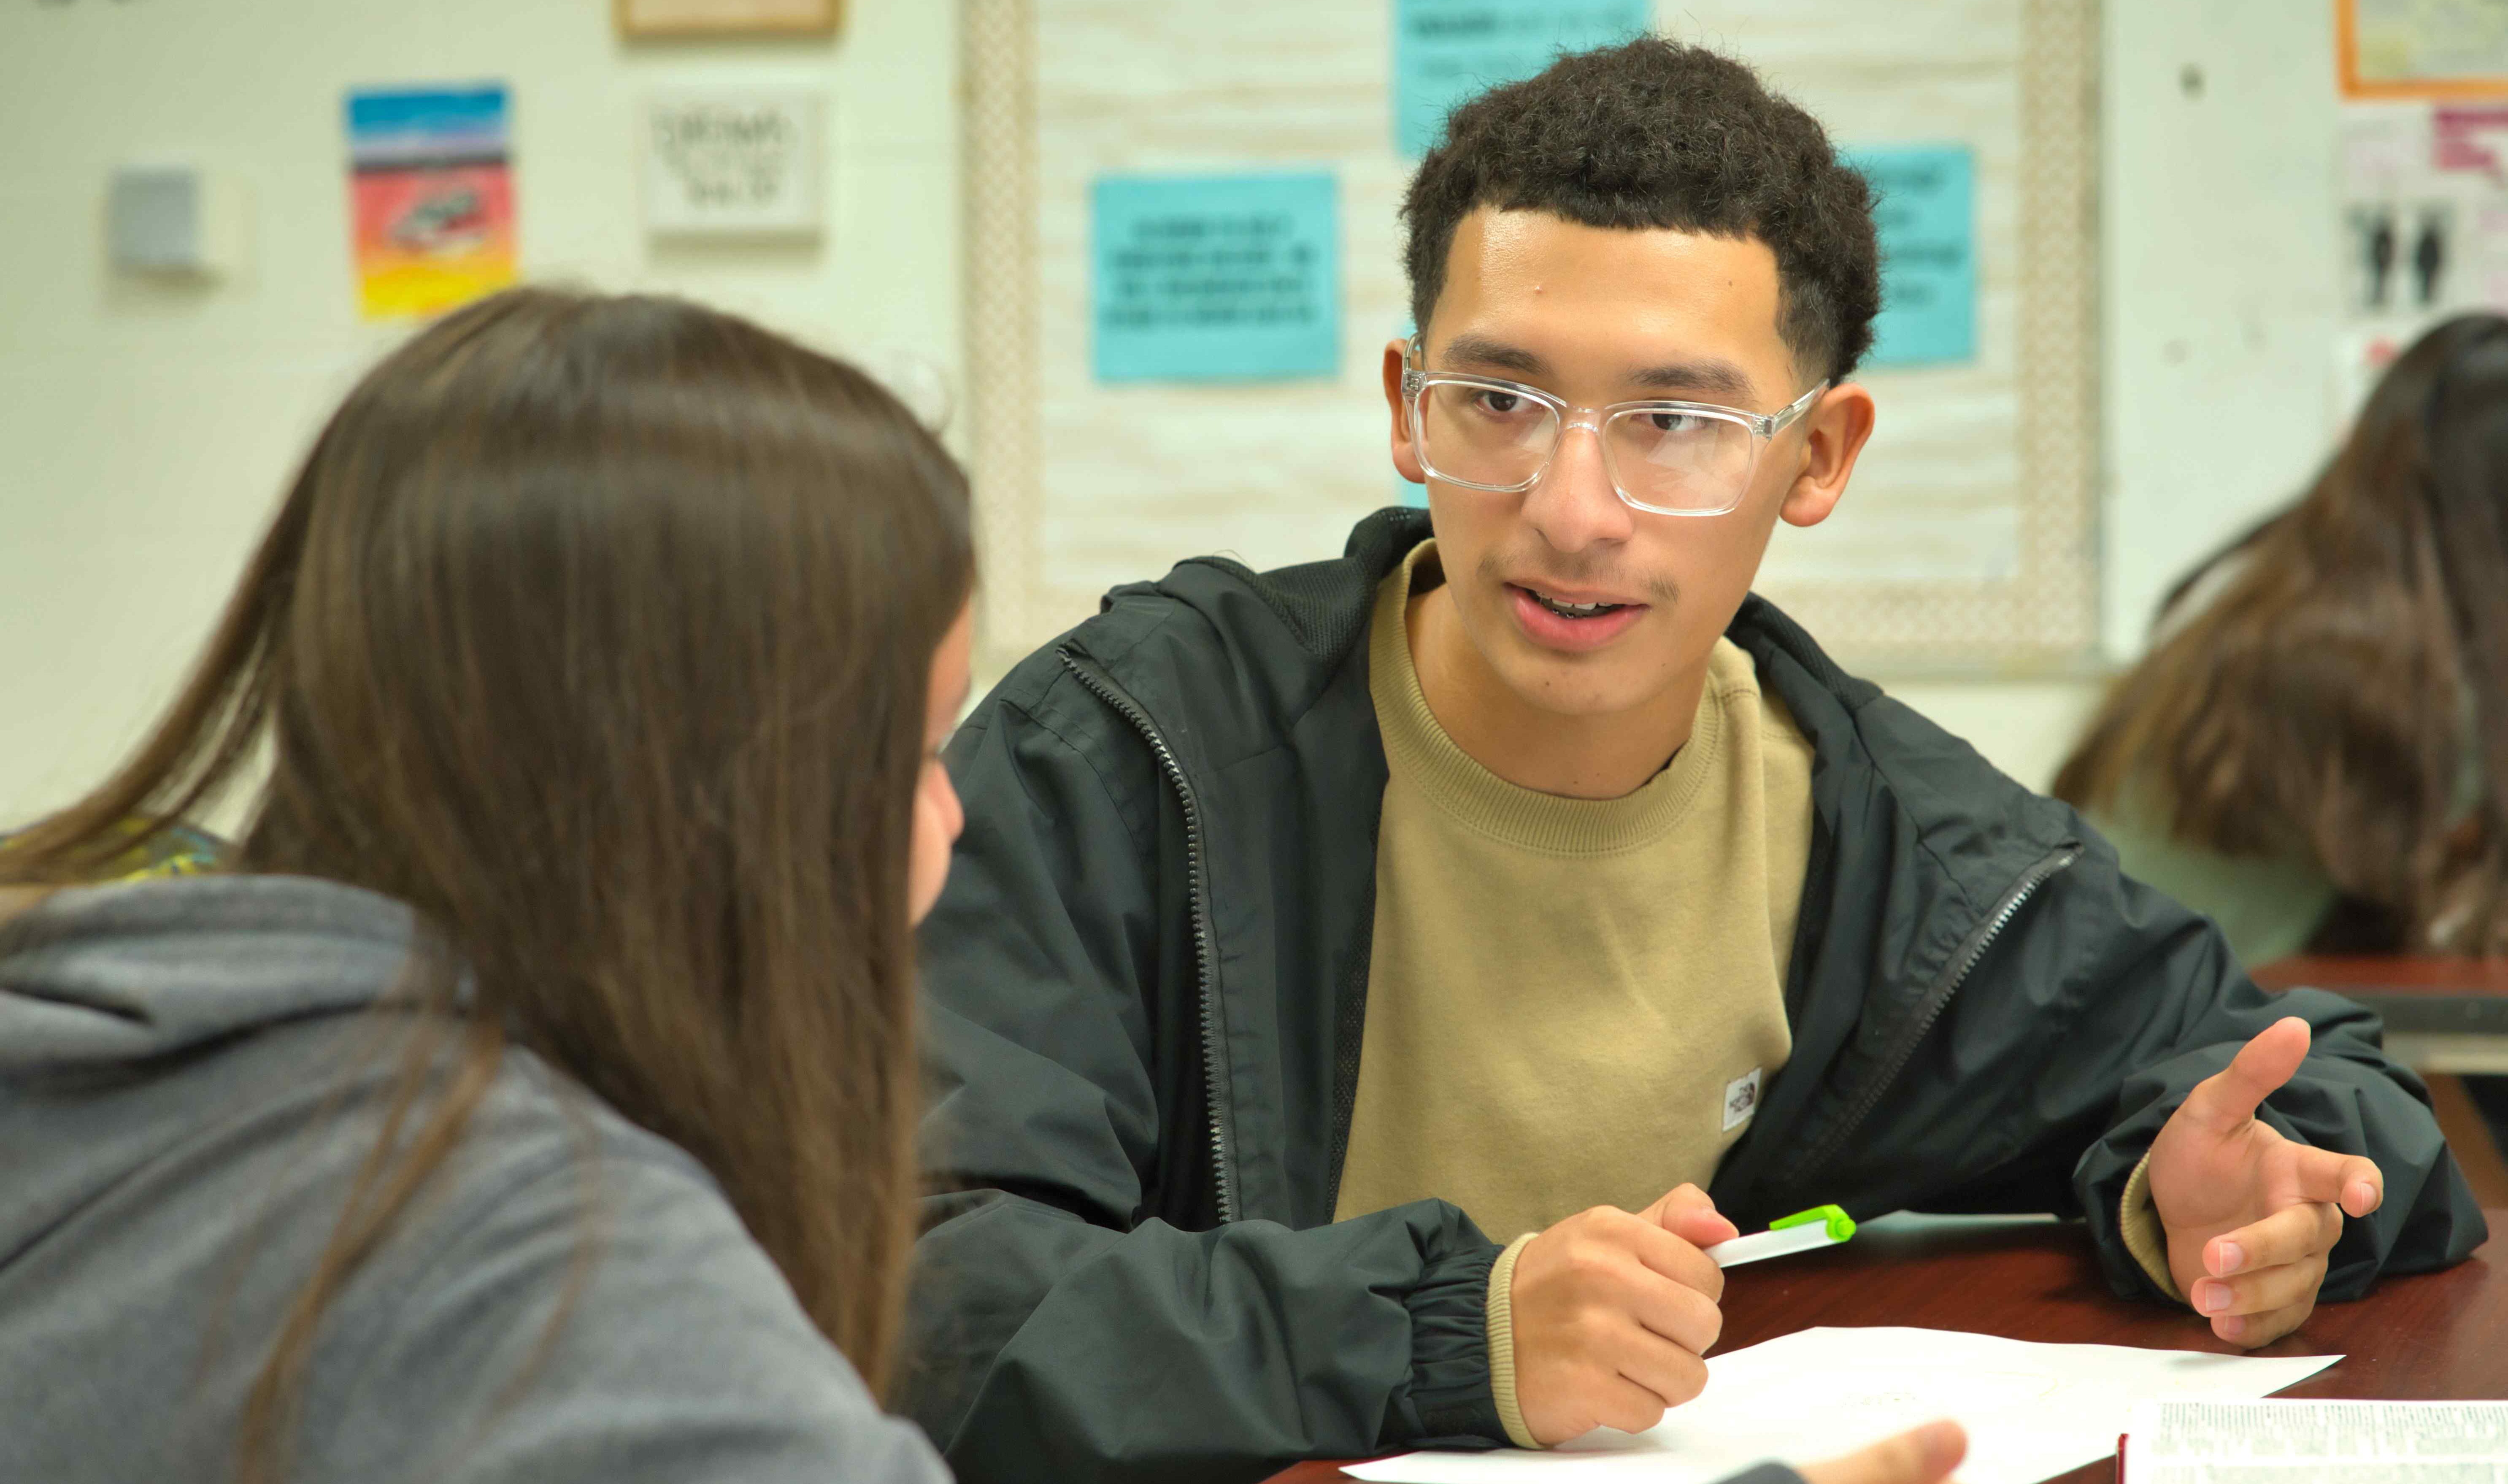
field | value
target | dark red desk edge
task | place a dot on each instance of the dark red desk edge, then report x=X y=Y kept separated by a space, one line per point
x=2415 y=995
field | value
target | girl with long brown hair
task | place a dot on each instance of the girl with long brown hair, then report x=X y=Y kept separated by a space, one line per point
x=530 y=1095
x=2315 y=751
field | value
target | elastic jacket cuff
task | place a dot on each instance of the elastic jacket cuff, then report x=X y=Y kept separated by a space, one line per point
x=2138 y=1224
x=1501 y=1343
x=1450 y=1352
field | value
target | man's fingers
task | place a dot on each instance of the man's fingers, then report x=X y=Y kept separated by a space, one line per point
x=2287 y=1236
x=2228 y=1098
x=1675 y=1257
x=1677 y=1313
x=2261 y=1292
x=1599 y=1298
x=1921 y=1456
x=2249 y=1330
x=1622 y=1404
x=1688 y=1214
x=1672 y=1374
x=2348 y=1180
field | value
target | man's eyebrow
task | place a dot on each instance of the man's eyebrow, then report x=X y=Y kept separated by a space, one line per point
x=1721 y=377
x=1714 y=377
x=1480 y=351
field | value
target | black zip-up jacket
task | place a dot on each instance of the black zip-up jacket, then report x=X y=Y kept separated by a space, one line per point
x=1146 y=982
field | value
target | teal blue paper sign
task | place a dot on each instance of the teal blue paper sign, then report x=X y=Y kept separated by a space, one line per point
x=1927 y=213
x=1216 y=278
x=1445 y=50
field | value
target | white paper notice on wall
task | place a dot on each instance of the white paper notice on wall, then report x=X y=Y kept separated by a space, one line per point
x=734 y=162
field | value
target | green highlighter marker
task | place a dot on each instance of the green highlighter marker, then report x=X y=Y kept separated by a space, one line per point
x=1822 y=1226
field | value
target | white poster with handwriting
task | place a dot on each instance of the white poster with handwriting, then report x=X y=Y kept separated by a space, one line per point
x=734 y=162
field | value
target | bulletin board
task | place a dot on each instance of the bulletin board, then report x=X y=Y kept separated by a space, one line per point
x=1968 y=540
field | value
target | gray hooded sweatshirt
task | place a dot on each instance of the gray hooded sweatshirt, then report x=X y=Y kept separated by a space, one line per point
x=174 y=1151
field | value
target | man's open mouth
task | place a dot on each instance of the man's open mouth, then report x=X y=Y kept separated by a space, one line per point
x=1567 y=609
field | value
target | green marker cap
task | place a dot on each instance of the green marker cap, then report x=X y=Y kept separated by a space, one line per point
x=1840 y=1224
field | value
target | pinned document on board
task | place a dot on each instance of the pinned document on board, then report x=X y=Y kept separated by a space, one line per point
x=1215 y=277
x=2422 y=227
x=1926 y=212
x=1446 y=51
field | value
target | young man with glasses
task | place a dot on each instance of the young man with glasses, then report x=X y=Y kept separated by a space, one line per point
x=1340 y=964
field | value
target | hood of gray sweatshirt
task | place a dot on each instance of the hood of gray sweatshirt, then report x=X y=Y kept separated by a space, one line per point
x=190 y=1073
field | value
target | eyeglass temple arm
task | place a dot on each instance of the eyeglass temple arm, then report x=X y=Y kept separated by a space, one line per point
x=1796 y=409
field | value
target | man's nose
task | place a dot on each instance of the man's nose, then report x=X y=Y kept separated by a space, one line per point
x=1574 y=505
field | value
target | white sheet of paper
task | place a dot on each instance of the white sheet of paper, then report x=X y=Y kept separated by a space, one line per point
x=2032 y=1411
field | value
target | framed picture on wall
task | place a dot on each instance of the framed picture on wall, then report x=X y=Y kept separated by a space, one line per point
x=726 y=17
x=2420 y=49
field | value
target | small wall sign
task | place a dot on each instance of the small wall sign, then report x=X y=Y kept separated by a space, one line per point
x=1216 y=278
x=734 y=162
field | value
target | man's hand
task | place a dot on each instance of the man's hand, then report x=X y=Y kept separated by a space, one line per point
x=1922 y=1455
x=2250 y=1215
x=1612 y=1312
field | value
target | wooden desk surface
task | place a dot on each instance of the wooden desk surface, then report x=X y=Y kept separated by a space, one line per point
x=2442 y=1015
x=2469 y=991
x=2377 y=976
x=2429 y=1336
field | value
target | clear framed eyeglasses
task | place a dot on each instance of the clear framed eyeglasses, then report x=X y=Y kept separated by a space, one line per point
x=1669 y=458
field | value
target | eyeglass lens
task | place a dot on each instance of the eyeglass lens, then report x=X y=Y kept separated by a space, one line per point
x=1672 y=460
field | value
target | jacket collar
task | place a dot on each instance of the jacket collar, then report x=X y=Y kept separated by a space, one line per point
x=1980 y=825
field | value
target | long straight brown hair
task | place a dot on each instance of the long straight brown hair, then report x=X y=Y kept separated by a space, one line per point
x=2350 y=670
x=599 y=630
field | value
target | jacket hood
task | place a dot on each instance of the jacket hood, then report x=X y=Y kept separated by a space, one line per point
x=95 y=979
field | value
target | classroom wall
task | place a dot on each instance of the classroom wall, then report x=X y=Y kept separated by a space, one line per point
x=145 y=429
x=2222 y=280
x=2218 y=308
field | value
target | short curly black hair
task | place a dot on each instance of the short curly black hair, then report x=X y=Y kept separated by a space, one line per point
x=1654 y=133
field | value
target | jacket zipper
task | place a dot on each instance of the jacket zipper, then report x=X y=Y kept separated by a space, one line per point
x=1963 y=963
x=1213 y=1065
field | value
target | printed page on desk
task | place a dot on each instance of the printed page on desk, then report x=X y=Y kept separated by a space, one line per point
x=2304 y=1442
x=2032 y=1411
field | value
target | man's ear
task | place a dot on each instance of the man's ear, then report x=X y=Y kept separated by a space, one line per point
x=1835 y=432
x=1406 y=456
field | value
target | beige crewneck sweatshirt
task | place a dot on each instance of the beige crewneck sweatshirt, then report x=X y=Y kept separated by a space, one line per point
x=1571 y=1002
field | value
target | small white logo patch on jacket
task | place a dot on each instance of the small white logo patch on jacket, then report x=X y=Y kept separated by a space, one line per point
x=1741 y=1099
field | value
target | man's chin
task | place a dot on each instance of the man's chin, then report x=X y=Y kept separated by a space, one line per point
x=1572 y=685
x=1575 y=686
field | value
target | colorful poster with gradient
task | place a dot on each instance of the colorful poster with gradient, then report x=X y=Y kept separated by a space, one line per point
x=434 y=196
